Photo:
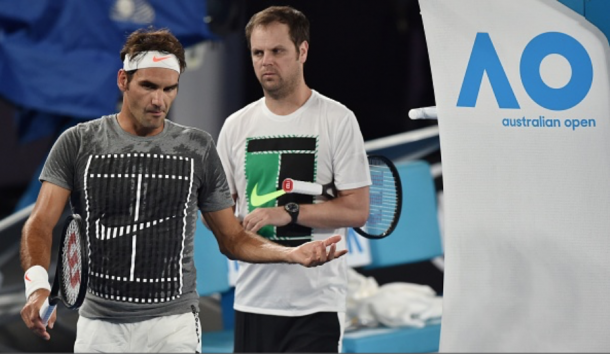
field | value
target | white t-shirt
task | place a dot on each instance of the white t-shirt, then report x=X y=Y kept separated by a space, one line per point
x=319 y=142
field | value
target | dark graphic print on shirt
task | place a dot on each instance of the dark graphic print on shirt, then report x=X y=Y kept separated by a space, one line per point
x=270 y=160
x=136 y=223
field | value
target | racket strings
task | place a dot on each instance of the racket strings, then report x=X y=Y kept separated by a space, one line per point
x=384 y=199
x=72 y=266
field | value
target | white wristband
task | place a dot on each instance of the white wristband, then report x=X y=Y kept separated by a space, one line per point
x=35 y=278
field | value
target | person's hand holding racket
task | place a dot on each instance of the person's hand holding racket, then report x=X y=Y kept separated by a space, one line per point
x=69 y=283
x=31 y=313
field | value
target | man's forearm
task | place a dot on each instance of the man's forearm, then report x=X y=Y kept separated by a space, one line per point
x=349 y=209
x=252 y=248
x=237 y=243
x=35 y=246
x=256 y=249
x=37 y=233
x=333 y=214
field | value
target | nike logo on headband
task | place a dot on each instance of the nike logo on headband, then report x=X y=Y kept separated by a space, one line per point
x=158 y=59
x=152 y=59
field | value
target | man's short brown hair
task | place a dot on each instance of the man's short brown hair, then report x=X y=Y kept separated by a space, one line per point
x=298 y=24
x=149 y=39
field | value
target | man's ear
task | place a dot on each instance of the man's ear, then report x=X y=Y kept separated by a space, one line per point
x=303 y=51
x=122 y=80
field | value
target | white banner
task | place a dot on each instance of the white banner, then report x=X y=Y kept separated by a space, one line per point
x=523 y=100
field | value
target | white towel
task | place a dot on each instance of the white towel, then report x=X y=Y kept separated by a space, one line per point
x=393 y=305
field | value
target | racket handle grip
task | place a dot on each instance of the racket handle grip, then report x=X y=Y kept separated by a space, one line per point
x=307 y=188
x=423 y=113
x=46 y=311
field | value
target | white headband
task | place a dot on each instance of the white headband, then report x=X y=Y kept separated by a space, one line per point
x=151 y=59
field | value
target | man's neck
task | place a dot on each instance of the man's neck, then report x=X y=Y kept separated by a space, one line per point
x=289 y=104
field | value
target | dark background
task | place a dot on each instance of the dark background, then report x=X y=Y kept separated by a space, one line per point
x=369 y=55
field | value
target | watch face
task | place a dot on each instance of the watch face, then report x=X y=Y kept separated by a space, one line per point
x=292 y=207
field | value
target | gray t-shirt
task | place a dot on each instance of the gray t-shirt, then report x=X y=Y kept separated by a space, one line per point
x=138 y=197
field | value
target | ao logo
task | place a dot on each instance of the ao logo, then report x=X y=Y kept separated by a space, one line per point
x=484 y=58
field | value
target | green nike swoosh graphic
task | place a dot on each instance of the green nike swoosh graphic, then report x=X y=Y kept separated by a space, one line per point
x=257 y=200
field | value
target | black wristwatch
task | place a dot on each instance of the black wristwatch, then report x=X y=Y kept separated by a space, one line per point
x=293 y=210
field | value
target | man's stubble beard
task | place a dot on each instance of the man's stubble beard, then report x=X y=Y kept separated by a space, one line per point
x=283 y=89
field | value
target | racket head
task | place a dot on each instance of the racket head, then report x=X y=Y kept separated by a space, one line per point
x=73 y=263
x=385 y=199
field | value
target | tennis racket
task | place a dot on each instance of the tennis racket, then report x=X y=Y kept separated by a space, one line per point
x=71 y=274
x=385 y=196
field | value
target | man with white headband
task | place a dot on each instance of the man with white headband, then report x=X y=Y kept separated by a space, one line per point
x=151 y=59
x=137 y=166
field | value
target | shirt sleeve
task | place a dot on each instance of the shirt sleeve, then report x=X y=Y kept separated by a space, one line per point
x=350 y=162
x=60 y=166
x=216 y=195
x=224 y=152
